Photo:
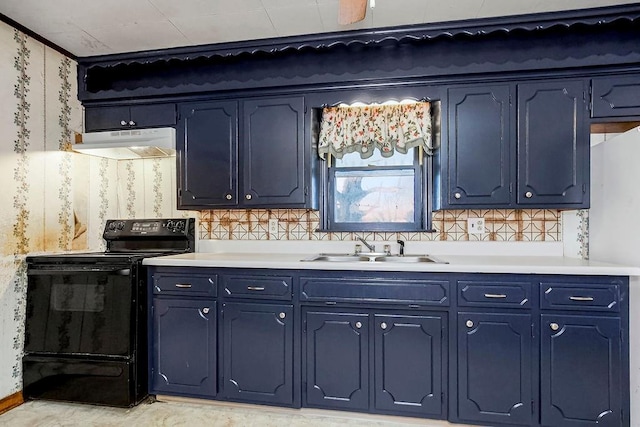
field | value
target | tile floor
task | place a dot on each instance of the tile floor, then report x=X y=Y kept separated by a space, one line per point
x=189 y=413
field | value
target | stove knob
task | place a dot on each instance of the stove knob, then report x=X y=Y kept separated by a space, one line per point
x=169 y=224
x=111 y=226
x=121 y=225
x=180 y=225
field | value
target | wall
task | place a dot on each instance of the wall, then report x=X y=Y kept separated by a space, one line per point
x=54 y=200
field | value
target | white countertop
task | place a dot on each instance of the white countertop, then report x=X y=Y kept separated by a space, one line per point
x=455 y=264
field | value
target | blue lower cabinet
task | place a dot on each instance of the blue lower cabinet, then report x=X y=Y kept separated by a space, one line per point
x=337 y=360
x=258 y=353
x=409 y=364
x=495 y=368
x=581 y=371
x=184 y=347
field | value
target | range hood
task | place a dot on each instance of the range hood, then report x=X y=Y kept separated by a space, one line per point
x=129 y=144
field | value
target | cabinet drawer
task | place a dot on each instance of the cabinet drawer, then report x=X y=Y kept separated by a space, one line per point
x=494 y=293
x=185 y=284
x=262 y=287
x=368 y=289
x=580 y=296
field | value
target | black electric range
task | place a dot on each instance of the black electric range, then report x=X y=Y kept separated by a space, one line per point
x=85 y=330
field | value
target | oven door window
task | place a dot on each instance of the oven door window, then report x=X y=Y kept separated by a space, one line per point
x=79 y=313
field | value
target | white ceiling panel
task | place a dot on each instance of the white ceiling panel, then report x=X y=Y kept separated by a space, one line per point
x=151 y=34
x=196 y=8
x=226 y=27
x=294 y=20
x=97 y=27
x=78 y=41
x=398 y=12
x=438 y=11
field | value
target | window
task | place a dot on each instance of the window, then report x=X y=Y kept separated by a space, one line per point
x=374 y=185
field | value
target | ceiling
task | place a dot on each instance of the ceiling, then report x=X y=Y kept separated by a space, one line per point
x=97 y=27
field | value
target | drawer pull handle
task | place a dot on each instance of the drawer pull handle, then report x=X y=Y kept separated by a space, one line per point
x=495 y=296
x=183 y=285
x=383 y=325
x=469 y=324
x=255 y=288
x=554 y=326
x=282 y=315
x=205 y=310
x=581 y=298
x=358 y=325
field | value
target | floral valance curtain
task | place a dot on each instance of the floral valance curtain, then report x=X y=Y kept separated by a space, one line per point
x=389 y=128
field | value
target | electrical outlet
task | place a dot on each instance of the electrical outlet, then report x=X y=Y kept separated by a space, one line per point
x=273 y=227
x=475 y=225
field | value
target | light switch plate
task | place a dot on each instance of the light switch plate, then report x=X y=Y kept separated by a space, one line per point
x=475 y=225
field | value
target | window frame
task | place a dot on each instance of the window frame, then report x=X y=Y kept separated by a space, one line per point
x=423 y=203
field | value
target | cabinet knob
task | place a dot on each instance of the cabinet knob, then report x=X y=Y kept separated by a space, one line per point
x=469 y=324
x=228 y=197
x=358 y=325
x=205 y=310
x=282 y=315
x=132 y=123
x=528 y=194
x=457 y=195
x=123 y=122
x=383 y=325
x=248 y=197
x=554 y=326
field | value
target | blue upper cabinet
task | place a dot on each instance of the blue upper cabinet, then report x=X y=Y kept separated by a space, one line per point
x=479 y=165
x=615 y=96
x=125 y=117
x=553 y=144
x=264 y=138
x=207 y=146
x=273 y=152
x=530 y=153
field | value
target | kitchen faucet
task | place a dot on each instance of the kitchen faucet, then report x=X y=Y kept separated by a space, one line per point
x=372 y=248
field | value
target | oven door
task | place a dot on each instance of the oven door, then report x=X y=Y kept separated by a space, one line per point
x=79 y=310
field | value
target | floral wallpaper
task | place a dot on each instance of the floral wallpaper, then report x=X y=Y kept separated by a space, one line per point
x=55 y=200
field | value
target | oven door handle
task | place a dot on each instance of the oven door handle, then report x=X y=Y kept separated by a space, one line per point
x=62 y=271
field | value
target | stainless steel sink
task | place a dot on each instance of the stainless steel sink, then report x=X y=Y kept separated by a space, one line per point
x=338 y=258
x=374 y=257
x=409 y=258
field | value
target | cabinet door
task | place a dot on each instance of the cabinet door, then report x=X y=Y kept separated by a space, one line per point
x=153 y=115
x=207 y=154
x=123 y=117
x=616 y=96
x=495 y=368
x=409 y=364
x=479 y=151
x=581 y=369
x=106 y=118
x=273 y=154
x=258 y=352
x=553 y=144
x=337 y=354
x=184 y=347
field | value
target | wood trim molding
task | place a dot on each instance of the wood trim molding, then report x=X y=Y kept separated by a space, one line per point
x=614 y=127
x=11 y=402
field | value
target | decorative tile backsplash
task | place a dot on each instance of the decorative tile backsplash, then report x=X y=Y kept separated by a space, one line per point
x=536 y=225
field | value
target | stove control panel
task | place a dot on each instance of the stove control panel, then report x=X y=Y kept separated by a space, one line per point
x=127 y=228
